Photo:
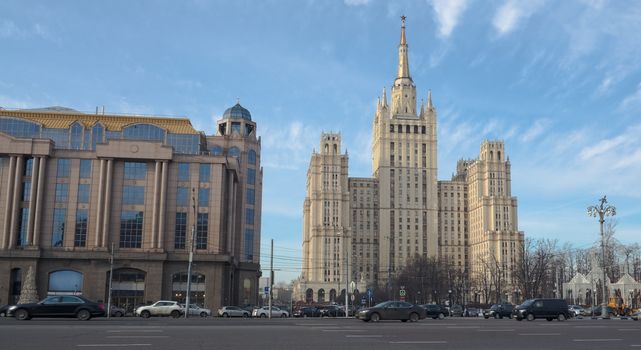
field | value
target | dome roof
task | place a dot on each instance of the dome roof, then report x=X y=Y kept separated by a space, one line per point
x=237 y=112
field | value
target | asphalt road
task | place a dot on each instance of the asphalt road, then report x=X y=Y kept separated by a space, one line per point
x=311 y=334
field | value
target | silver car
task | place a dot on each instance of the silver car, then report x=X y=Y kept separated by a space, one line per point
x=195 y=310
x=232 y=311
x=263 y=312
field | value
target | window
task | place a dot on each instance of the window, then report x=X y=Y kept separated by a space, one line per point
x=251 y=176
x=19 y=128
x=235 y=128
x=201 y=230
x=85 y=168
x=143 y=132
x=251 y=157
x=181 y=231
x=135 y=170
x=63 y=167
x=216 y=150
x=251 y=194
x=234 y=152
x=64 y=281
x=26 y=191
x=80 y=236
x=203 y=197
x=249 y=244
x=204 y=172
x=131 y=229
x=184 y=143
x=83 y=193
x=62 y=193
x=22 y=227
x=76 y=136
x=183 y=171
x=98 y=134
x=249 y=216
x=133 y=195
x=28 y=167
x=182 y=197
x=58 y=231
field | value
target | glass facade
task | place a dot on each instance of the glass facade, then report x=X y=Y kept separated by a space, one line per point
x=251 y=176
x=202 y=225
x=97 y=135
x=60 y=137
x=184 y=143
x=83 y=193
x=85 y=168
x=251 y=157
x=181 y=231
x=28 y=167
x=76 y=136
x=62 y=193
x=58 y=230
x=19 y=128
x=183 y=171
x=26 y=191
x=143 y=132
x=249 y=244
x=251 y=196
x=203 y=197
x=22 y=227
x=133 y=195
x=234 y=152
x=204 y=172
x=249 y=216
x=216 y=150
x=182 y=197
x=64 y=168
x=80 y=236
x=135 y=170
x=131 y=223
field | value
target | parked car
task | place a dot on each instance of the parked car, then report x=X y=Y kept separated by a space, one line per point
x=233 y=311
x=160 y=308
x=542 y=308
x=332 y=311
x=59 y=306
x=435 y=311
x=263 y=312
x=499 y=311
x=597 y=310
x=456 y=311
x=636 y=315
x=307 y=312
x=392 y=310
x=195 y=310
x=4 y=309
x=576 y=310
x=116 y=311
x=472 y=312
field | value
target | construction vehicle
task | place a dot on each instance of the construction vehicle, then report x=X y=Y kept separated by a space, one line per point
x=617 y=304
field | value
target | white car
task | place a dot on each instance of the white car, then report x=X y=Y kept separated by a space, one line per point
x=263 y=312
x=161 y=308
x=232 y=311
x=195 y=310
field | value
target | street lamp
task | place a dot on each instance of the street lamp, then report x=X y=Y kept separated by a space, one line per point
x=602 y=210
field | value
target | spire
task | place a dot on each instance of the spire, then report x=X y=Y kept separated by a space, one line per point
x=429 y=99
x=384 y=104
x=403 y=66
x=422 y=107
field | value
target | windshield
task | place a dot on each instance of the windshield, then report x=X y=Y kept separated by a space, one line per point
x=527 y=303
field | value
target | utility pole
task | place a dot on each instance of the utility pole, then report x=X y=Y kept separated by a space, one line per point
x=602 y=210
x=346 y=277
x=271 y=278
x=191 y=252
x=111 y=273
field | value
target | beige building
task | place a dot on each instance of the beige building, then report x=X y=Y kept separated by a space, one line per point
x=76 y=185
x=403 y=211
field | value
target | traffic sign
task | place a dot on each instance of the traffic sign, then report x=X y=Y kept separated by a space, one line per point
x=266 y=290
x=402 y=292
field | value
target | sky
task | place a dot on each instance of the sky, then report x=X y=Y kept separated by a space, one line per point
x=558 y=81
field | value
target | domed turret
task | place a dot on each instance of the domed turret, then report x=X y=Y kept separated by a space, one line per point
x=237 y=112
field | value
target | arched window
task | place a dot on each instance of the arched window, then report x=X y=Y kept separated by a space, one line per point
x=16 y=285
x=76 y=135
x=498 y=155
x=332 y=295
x=127 y=288
x=234 y=152
x=216 y=150
x=251 y=157
x=491 y=155
x=65 y=282
x=97 y=135
x=309 y=295
x=335 y=149
x=19 y=127
x=143 y=132
x=321 y=295
x=179 y=288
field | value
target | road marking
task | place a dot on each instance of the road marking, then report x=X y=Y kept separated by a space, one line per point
x=138 y=336
x=135 y=330
x=543 y=334
x=109 y=345
x=316 y=324
x=419 y=342
x=635 y=345
x=596 y=340
x=496 y=330
x=463 y=327
x=344 y=330
x=628 y=329
x=590 y=326
x=363 y=336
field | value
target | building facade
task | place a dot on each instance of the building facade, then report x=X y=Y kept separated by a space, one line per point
x=80 y=188
x=403 y=211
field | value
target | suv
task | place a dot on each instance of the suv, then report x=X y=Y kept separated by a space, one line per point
x=499 y=311
x=263 y=312
x=542 y=308
x=160 y=308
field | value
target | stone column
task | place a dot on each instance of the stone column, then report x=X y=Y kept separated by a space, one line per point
x=107 y=209
x=17 y=185
x=7 y=210
x=41 y=188
x=99 y=204
x=162 y=206
x=154 y=208
x=32 y=199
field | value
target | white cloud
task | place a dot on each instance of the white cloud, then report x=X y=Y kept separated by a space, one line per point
x=356 y=2
x=632 y=99
x=10 y=102
x=447 y=14
x=539 y=126
x=512 y=12
x=601 y=147
x=288 y=147
x=8 y=29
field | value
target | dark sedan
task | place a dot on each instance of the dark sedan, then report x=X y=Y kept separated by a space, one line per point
x=435 y=311
x=307 y=312
x=59 y=306
x=392 y=310
x=332 y=311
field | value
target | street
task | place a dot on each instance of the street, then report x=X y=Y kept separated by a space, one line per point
x=316 y=333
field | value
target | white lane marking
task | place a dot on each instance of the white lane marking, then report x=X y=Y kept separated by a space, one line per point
x=109 y=345
x=363 y=336
x=344 y=330
x=495 y=330
x=316 y=324
x=138 y=336
x=419 y=342
x=635 y=345
x=596 y=340
x=463 y=327
x=628 y=329
x=135 y=330
x=542 y=334
x=590 y=326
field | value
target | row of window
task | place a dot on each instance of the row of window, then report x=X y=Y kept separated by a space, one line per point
x=408 y=129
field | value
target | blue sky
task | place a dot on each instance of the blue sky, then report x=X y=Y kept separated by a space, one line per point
x=558 y=81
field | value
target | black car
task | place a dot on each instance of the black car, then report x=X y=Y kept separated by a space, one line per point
x=307 y=312
x=435 y=311
x=499 y=311
x=392 y=310
x=332 y=311
x=59 y=306
x=4 y=309
x=542 y=308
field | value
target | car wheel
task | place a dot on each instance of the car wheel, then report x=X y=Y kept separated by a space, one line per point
x=118 y=314
x=497 y=316
x=21 y=314
x=530 y=317
x=283 y=315
x=2 y=314
x=548 y=319
x=413 y=317
x=509 y=316
x=375 y=317
x=519 y=319
x=486 y=317
x=225 y=314
x=203 y=314
x=245 y=315
x=441 y=316
x=561 y=317
x=145 y=314
x=83 y=315
x=403 y=320
x=175 y=314
x=263 y=315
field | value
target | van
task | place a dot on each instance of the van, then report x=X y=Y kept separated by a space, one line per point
x=542 y=308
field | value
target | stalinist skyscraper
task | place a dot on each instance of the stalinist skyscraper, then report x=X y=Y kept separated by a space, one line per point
x=365 y=230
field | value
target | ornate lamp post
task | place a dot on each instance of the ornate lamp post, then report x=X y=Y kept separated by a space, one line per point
x=601 y=211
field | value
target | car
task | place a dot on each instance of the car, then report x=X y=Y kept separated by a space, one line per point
x=233 y=311
x=549 y=309
x=499 y=311
x=636 y=315
x=263 y=312
x=160 y=308
x=195 y=310
x=4 y=309
x=59 y=306
x=116 y=311
x=456 y=311
x=307 y=312
x=576 y=310
x=435 y=311
x=597 y=310
x=392 y=310
x=472 y=312
x=332 y=311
